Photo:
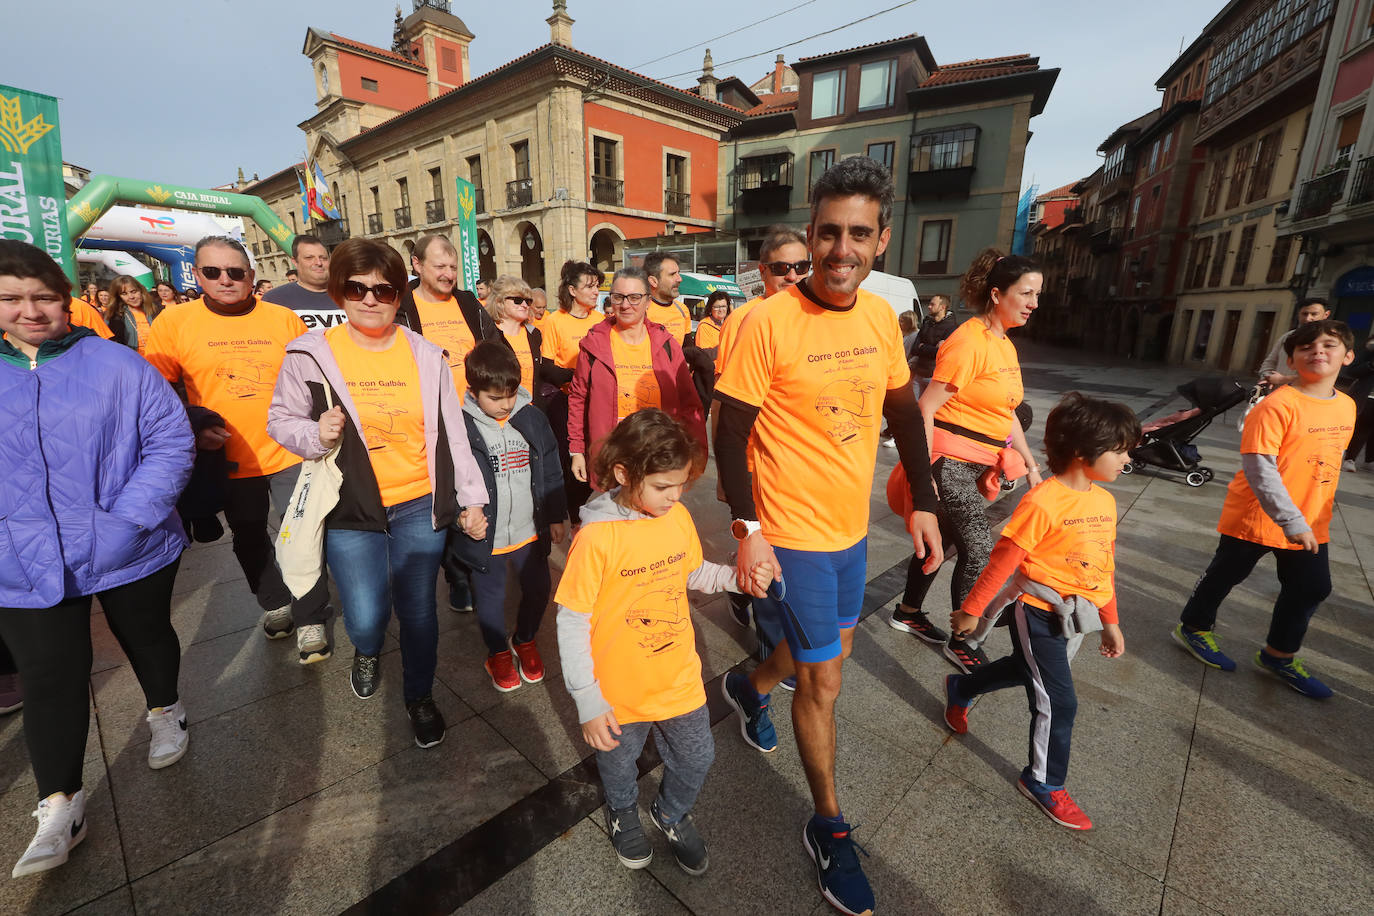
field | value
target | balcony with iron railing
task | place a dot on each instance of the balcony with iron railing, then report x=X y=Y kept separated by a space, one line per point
x=1362 y=188
x=1103 y=238
x=332 y=232
x=677 y=203
x=519 y=193
x=402 y=215
x=1316 y=197
x=434 y=211
x=374 y=223
x=1073 y=216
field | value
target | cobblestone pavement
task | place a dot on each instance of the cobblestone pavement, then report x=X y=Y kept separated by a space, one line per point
x=1210 y=791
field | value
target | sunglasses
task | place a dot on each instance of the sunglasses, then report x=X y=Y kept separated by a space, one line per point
x=384 y=293
x=781 y=268
x=235 y=273
x=526 y=300
x=632 y=298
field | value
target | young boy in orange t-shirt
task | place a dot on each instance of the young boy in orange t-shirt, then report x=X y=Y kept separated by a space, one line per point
x=1280 y=502
x=625 y=633
x=1058 y=552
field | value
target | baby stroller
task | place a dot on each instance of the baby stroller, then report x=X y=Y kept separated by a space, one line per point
x=1166 y=443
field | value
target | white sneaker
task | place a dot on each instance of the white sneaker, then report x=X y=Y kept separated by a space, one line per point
x=1348 y=465
x=170 y=737
x=61 y=825
x=312 y=642
x=277 y=624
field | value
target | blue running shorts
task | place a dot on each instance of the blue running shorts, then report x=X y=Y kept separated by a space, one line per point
x=824 y=594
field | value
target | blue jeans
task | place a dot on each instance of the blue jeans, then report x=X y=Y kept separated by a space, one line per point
x=378 y=570
x=687 y=748
x=531 y=564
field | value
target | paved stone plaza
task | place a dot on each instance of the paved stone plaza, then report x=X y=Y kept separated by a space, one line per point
x=1211 y=792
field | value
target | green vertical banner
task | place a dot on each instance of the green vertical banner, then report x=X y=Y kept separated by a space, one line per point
x=467 y=233
x=33 y=197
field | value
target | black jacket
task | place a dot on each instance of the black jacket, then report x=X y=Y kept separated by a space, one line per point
x=482 y=327
x=928 y=340
x=546 y=485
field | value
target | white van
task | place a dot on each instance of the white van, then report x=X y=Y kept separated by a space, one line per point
x=899 y=292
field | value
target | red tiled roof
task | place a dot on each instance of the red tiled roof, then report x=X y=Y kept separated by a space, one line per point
x=875 y=44
x=985 y=61
x=372 y=49
x=774 y=103
x=1066 y=191
x=989 y=68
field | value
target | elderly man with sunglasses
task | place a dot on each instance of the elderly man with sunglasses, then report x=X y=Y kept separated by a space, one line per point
x=225 y=348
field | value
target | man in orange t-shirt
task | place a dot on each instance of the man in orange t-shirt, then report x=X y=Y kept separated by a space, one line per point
x=1280 y=502
x=813 y=371
x=226 y=349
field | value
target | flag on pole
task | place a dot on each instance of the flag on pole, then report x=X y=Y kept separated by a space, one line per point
x=312 y=196
x=325 y=201
x=305 y=204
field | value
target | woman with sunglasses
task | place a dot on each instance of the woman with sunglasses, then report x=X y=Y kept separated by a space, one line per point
x=88 y=500
x=130 y=317
x=509 y=300
x=408 y=472
x=626 y=364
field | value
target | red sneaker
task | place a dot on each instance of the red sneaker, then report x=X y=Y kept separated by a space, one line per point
x=527 y=661
x=501 y=667
x=956 y=716
x=1058 y=807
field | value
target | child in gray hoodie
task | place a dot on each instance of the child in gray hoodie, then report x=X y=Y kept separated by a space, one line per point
x=625 y=633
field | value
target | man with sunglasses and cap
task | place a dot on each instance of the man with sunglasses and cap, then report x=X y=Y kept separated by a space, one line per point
x=225 y=348
x=783 y=261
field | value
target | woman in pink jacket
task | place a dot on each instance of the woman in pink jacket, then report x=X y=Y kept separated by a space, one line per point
x=408 y=472
x=627 y=363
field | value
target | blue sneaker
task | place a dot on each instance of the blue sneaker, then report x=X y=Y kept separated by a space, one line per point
x=789 y=684
x=1292 y=672
x=741 y=609
x=1202 y=645
x=754 y=723
x=838 y=874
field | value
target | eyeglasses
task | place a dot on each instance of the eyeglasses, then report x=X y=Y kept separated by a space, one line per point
x=235 y=273
x=384 y=293
x=632 y=298
x=781 y=268
x=518 y=300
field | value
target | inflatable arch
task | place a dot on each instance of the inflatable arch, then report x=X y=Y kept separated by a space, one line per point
x=104 y=191
x=180 y=259
x=167 y=236
x=121 y=264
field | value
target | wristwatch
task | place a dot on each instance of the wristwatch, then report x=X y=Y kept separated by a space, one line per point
x=741 y=528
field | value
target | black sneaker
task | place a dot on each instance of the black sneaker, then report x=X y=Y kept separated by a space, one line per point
x=688 y=847
x=739 y=609
x=459 y=594
x=426 y=721
x=632 y=846
x=366 y=674
x=964 y=656
x=917 y=624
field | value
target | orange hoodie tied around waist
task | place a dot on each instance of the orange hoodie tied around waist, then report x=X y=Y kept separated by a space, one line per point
x=1009 y=464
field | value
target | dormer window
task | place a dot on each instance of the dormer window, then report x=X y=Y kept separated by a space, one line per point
x=877 y=85
x=827 y=94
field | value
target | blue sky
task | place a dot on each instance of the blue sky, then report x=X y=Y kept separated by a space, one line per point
x=188 y=92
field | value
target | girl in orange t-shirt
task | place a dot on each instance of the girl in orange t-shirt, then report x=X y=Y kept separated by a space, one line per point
x=972 y=399
x=131 y=313
x=625 y=632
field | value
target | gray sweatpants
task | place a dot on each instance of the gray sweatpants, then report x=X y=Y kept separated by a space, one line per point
x=687 y=748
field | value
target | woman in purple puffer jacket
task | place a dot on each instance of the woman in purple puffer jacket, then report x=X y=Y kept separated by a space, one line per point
x=87 y=507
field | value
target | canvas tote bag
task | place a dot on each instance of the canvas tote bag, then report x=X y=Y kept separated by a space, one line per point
x=300 y=543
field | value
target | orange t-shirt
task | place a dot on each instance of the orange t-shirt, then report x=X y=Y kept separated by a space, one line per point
x=385 y=388
x=819 y=377
x=563 y=334
x=542 y=323
x=444 y=324
x=635 y=383
x=1070 y=540
x=730 y=329
x=983 y=366
x=1309 y=435
x=142 y=326
x=674 y=316
x=519 y=341
x=631 y=577
x=708 y=334
x=229 y=364
x=85 y=315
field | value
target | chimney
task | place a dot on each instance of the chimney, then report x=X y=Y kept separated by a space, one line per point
x=560 y=24
x=706 y=84
x=779 y=67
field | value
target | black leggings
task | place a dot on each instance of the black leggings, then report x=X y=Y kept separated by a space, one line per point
x=1361 y=438
x=576 y=491
x=52 y=649
x=963 y=528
